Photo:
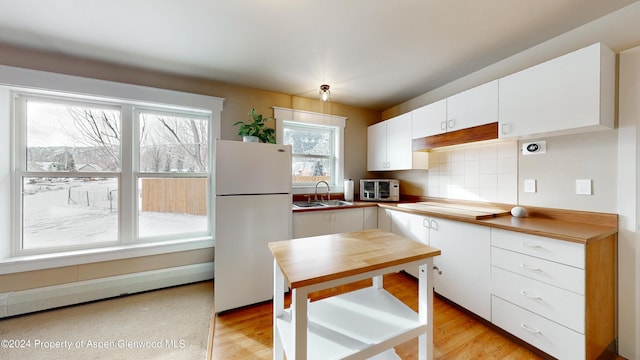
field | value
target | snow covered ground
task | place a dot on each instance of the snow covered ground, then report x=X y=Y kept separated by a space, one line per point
x=54 y=216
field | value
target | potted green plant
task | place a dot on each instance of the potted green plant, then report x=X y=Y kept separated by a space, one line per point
x=258 y=129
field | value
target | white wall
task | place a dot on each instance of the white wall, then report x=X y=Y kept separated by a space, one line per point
x=628 y=204
x=590 y=156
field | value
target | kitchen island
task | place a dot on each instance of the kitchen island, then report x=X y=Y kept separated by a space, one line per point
x=359 y=324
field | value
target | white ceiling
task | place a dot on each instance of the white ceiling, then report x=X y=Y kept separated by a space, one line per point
x=373 y=53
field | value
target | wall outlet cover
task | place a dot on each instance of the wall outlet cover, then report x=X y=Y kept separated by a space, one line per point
x=583 y=187
x=530 y=185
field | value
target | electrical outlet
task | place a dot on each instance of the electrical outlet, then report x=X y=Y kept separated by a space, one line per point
x=530 y=186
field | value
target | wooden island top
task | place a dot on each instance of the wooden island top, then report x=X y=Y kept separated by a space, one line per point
x=317 y=259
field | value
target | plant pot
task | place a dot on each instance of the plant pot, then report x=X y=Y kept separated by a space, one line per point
x=249 y=138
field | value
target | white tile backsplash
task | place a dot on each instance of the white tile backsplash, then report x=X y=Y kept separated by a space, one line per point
x=483 y=172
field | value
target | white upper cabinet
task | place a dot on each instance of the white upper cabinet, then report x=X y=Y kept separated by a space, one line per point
x=473 y=107
x=389 y=146
x=476 y=106
x=377 y=147
x=399 y=142
x=429 y=120
x=569 y=94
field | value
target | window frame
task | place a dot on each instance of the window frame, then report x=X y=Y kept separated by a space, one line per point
x=331 y=158
x=283 y=115
x=127 y=177
x=14 y=80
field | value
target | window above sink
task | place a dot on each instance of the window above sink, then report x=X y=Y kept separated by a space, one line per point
x=317 y=147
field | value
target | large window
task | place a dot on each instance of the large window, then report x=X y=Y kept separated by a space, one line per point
x=91 y=173
x=317 y=142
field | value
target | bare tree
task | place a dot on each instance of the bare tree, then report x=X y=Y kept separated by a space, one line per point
x=189 y=135
x=165 y=141
x=98 y=128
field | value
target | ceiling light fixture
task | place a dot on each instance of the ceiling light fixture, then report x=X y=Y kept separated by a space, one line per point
x=324 y=92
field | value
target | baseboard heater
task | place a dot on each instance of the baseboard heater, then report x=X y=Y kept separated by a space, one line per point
x=26 y=301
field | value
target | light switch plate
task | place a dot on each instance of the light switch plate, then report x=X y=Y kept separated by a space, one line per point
x=583 y=187
x=530 y=185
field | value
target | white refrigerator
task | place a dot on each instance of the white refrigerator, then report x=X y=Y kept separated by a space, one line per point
x=253 y=206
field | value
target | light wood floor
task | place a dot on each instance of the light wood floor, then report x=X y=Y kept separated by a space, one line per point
x=246 y=333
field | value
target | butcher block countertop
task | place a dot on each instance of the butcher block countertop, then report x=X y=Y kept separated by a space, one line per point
x=317 y=259
x=474 y=212
x=569 y=225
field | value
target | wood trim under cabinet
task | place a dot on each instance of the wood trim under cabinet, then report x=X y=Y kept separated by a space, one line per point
x=463 y=136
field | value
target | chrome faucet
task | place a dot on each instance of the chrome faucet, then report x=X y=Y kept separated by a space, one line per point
x=315 y=197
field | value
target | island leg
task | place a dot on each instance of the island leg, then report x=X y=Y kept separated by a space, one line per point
x=278 y=310
x=425 y=309
x=299 y=323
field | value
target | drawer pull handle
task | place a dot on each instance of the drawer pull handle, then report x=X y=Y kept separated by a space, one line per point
x=530 y=329
x=533 y=246
x=530 y=296
x=530 y=267
x=435 y=268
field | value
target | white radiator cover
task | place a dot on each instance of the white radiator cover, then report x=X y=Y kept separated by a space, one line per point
x=26 y=301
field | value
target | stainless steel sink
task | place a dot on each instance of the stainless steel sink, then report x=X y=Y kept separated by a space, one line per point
x=337 y=203
x=320 y=204
x=308 y=204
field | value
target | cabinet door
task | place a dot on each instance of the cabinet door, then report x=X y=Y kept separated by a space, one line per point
x=561 y=95
x=464 y=264
x=315 y=223
x=429 y=120
x=346 y=220
x=310 y=223
x=384 y=219
x=411 y=226
x=476 y=106
x=377 y=147
x=399 y=142
x=370 y=217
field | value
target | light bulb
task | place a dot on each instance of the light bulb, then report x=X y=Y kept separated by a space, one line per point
x=324 y=92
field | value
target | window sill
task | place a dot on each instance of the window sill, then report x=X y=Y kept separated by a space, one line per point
x=78 y=257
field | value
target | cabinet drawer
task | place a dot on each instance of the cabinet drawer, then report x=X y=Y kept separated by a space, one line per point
x=549 y=272
x=564 y=252
x=548 y=336
x=561 y=306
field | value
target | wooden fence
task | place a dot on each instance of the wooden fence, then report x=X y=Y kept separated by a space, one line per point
x=175 y=195
x=310 y=179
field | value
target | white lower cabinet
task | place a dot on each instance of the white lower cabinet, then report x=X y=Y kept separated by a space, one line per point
x=323 y=222
x=546 y=335
x=463 y=274
x=411 y=226
x=539 y=287
x=563 y=306
x=462 y=271
x=556 y=295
